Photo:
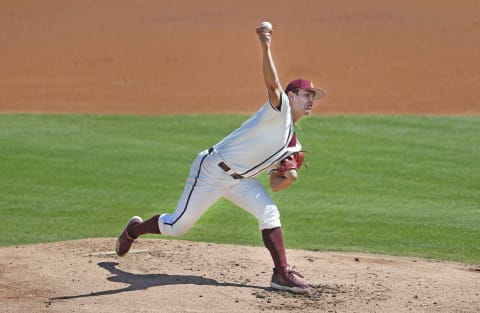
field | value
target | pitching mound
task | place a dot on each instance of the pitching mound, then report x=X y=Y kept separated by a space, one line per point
x=181 y=276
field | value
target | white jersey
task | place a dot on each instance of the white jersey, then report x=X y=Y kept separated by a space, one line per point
x=261 y=141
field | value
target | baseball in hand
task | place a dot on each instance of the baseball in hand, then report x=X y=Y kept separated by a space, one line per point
x=266 y=26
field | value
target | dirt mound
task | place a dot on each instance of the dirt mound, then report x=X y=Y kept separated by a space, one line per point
x=181 y=276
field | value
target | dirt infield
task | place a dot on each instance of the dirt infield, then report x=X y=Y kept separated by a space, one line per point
x=187 y=56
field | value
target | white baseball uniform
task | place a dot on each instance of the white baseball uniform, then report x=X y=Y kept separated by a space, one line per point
x=228 y=169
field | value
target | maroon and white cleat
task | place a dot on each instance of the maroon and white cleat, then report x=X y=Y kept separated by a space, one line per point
x=125 y=241
x=285 y=279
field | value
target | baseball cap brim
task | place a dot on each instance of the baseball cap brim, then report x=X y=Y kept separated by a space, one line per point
x=318 y=92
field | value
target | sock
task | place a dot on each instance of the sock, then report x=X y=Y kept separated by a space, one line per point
x=148 y=227
x=273 y=240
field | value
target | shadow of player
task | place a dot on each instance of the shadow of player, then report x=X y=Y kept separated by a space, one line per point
x=145 y=281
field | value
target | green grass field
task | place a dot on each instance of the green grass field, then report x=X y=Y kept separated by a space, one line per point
x=400 y=185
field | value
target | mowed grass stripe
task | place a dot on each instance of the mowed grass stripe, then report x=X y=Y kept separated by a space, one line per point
x=402 y=185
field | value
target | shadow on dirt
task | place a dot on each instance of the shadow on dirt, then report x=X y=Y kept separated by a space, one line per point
x=145 y=281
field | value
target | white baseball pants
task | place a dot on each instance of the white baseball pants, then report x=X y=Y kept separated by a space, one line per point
x=207 y=182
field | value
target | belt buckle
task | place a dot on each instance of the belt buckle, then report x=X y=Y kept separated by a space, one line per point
x=236 y=176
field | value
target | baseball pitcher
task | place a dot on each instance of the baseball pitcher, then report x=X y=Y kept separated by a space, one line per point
x=266 y=142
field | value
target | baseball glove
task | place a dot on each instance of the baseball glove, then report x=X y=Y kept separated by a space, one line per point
x=293 y=162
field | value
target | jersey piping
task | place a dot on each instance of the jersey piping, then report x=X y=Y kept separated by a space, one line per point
x=268 y=160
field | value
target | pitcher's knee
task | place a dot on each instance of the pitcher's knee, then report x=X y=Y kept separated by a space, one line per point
x=270 y=218
x=176 y=227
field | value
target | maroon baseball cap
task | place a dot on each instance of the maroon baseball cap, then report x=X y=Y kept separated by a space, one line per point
x=304 y=84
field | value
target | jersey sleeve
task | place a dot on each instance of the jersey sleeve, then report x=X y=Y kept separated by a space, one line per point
x=283 y=102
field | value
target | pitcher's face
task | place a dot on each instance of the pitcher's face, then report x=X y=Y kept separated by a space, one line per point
x=302 y=102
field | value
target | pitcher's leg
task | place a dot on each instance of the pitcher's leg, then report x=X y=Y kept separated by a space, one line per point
x=149 y=226
x=205 y=184
x=201 y=190
x=197 y=197
x=273 y=241
x=252 y=196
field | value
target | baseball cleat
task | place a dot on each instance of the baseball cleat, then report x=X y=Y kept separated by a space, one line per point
x=125 y=241
x=285 y=280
